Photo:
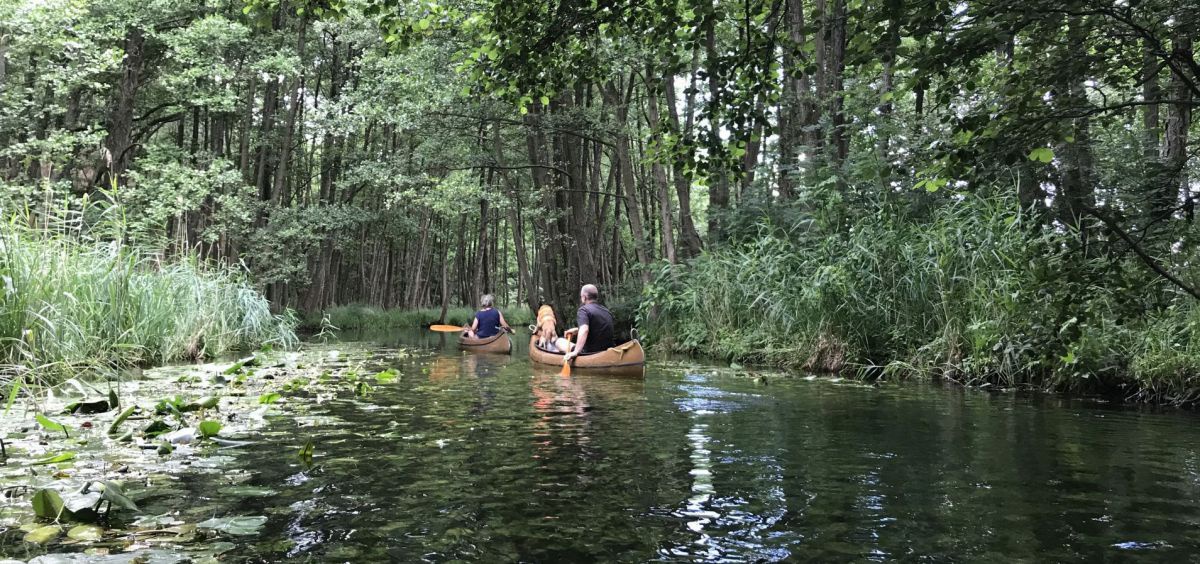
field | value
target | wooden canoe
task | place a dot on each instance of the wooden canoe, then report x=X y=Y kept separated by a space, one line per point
x=626 y=358
x=499 y=343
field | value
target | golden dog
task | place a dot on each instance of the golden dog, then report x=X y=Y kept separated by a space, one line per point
x=545 y=331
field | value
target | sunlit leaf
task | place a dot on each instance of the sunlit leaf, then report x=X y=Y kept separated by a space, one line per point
x=234 y=525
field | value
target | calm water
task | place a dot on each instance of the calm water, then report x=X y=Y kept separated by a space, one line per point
x=489 y=458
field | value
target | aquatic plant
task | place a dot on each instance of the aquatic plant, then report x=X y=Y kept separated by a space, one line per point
x=76 y=300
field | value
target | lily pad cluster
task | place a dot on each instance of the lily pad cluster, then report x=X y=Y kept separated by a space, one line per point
x=77 y=462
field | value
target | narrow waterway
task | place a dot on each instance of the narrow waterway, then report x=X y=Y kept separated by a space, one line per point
x=489 y=458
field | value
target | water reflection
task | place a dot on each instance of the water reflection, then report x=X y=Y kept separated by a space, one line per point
x=488 y=458
x=737 y=492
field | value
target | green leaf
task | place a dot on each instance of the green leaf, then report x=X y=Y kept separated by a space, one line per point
x=545 y=100
x=306 y=452
x=50 y=425
x=114 y=492
x=85 y=533
x=234 y=525
x=47 y=504
x=112 y=429
x=423 y=24
x=209 y=428
x=387 y=376
x=54 y=459
x=269 y=398
x=1042 y=155
x=43 y=535
x=113 y=400
x=12 y=394
x=156 y=428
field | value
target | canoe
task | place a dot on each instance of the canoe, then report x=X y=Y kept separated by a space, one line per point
x=626 y=358
x=499 y=343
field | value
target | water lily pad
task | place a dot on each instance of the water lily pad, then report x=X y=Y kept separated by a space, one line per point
x=156 y=521
x=240 y=525
x=209 y=428
x=156 y=428
x=47 y=504
x=181 y=437
x=114 y=492
x=248 y=491
x=43 y=535
x=89 y=406
x=80 y=501
x=85 y=533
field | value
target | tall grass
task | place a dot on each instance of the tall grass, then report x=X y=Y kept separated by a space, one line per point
x=69 y=305
x=977 y=292
x=357 y=316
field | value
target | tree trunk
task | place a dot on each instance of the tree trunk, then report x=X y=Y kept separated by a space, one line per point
x=244 y=134
x=1175 y=139
x=688 y=236
x=660 y=173
x=797 y=114
x=1150 y=94
x=718 y=189
x=120 y=122
x=613 y=96
x=481 y=254
x=294 y=103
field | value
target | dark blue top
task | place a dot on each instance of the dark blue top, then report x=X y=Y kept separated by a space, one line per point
x=489 y=322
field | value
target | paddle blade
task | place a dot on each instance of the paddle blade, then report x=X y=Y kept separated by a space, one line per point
x=446 y=328
x=566 y=370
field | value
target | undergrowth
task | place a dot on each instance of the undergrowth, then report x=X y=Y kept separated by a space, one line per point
x=976 y=291
x=76 y=299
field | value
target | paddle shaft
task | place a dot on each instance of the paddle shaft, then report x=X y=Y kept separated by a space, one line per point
x=566 y=369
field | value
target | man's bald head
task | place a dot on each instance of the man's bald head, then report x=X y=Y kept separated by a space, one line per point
x=589 y=293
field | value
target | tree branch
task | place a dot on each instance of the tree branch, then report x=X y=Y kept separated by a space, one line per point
x=1146 y=258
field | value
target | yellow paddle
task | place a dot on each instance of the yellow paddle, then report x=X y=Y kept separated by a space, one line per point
x=446 y=328
x=566 y=369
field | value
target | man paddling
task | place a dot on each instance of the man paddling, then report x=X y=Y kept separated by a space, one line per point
x=595 y=326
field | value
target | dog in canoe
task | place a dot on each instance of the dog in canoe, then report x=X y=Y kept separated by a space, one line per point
x=544 y=329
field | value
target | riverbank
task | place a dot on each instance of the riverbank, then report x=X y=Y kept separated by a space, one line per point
x=976 y=291
x=72 y=306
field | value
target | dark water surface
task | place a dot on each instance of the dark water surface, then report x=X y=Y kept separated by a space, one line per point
x=489 y=458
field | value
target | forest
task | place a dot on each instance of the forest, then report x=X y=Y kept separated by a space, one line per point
x=996 y=192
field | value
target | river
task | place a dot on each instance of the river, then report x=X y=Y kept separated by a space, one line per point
x=480 y=457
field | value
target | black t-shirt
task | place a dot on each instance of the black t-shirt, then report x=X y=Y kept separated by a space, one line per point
x=600 y=327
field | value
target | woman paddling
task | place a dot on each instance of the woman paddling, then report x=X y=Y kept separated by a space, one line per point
x=488 y=321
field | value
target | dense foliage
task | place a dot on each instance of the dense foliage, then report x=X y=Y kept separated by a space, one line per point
x=83 y=302
x=995 y=190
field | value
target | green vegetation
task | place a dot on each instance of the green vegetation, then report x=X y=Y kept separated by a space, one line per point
x=72 y=305
x=816 y=178
x=963 y=294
